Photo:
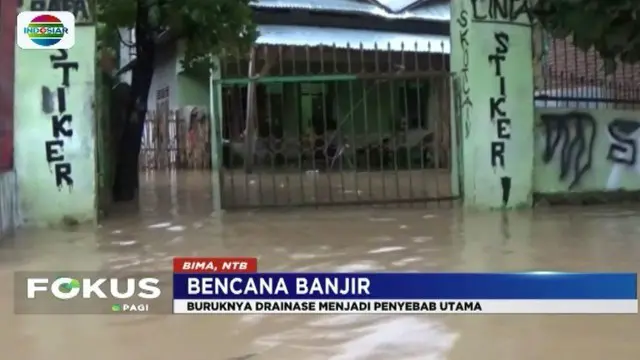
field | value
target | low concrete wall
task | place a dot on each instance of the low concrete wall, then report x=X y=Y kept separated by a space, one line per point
x=10 y=217
x=589 y=152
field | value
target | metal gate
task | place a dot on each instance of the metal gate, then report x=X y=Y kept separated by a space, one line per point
x=326 y=126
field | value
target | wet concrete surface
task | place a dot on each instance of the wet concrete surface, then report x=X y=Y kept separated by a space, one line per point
x=175 y=221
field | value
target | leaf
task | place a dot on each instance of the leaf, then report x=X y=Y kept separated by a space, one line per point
x=609 y=66
x=205 y=26
x=610 y=27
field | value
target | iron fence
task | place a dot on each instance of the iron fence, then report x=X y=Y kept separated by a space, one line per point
x=178 y=139
x=569 y=77
x=328 y=125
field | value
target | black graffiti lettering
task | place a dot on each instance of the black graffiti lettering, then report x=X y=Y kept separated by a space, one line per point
x=463 y=38
x=463 y=20
x=505 y=183
x=502 y=39
x=58 y=123
x=62 y=100
x=61 y=123
x=64 y=55
x=506 y=11
x=495 y=107
x=465 y=102
x=497 y=113
x=65 y=66
x=624 y=134
x=504 y=128
x=53 y=150
x=63 y=175
x=79 y=8
x=476 y=13
x=497 y=153
x=572 y=136
x=47 y=100
x=497 y=61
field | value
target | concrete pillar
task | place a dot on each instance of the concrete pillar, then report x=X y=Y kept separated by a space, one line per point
x=491 y=58
x=55 y=125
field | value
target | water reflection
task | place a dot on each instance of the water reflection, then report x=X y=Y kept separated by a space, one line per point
x=174 y=221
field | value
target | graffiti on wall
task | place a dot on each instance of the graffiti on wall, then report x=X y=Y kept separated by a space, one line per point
x=463 y=91
x=623 y=149
x=61 y=121
x=507 y=12
x=512 y=12
x=624 y=135
x=497 y=111
x=572 y=139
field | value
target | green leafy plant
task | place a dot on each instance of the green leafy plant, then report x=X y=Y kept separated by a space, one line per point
x=206 y=27
x=611 y=28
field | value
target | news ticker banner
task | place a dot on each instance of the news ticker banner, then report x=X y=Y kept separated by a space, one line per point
x=209 y=286
x=233 y=286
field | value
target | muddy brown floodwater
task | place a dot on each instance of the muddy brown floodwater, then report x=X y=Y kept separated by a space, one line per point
x=174 y=221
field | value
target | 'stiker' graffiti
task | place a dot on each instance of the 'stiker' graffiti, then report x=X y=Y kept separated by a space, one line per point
x=498 y=114
x=61 y=124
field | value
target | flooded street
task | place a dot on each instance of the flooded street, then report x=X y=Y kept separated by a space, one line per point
x=174 y=220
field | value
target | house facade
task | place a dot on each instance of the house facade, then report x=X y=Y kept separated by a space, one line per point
x=306 y=23
x=306 y=40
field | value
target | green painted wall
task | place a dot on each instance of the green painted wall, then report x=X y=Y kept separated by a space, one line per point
x=192 y=91
x=358 y=107
x=588 y=150
x=362 y=108
x=496 y=115
x=44 y=200
x=291 y=114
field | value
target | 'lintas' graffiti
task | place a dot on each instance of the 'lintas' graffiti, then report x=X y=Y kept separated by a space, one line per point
x=571 y=137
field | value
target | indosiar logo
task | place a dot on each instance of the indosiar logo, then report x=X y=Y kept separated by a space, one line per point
x=66 y=288
x=38 y=30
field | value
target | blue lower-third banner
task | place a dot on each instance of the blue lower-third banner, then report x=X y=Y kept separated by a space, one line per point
x=407 y=286
x=389 y=293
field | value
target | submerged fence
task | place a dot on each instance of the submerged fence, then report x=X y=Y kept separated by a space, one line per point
x=177 y=139
x=368 y=124
x=336 y=125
